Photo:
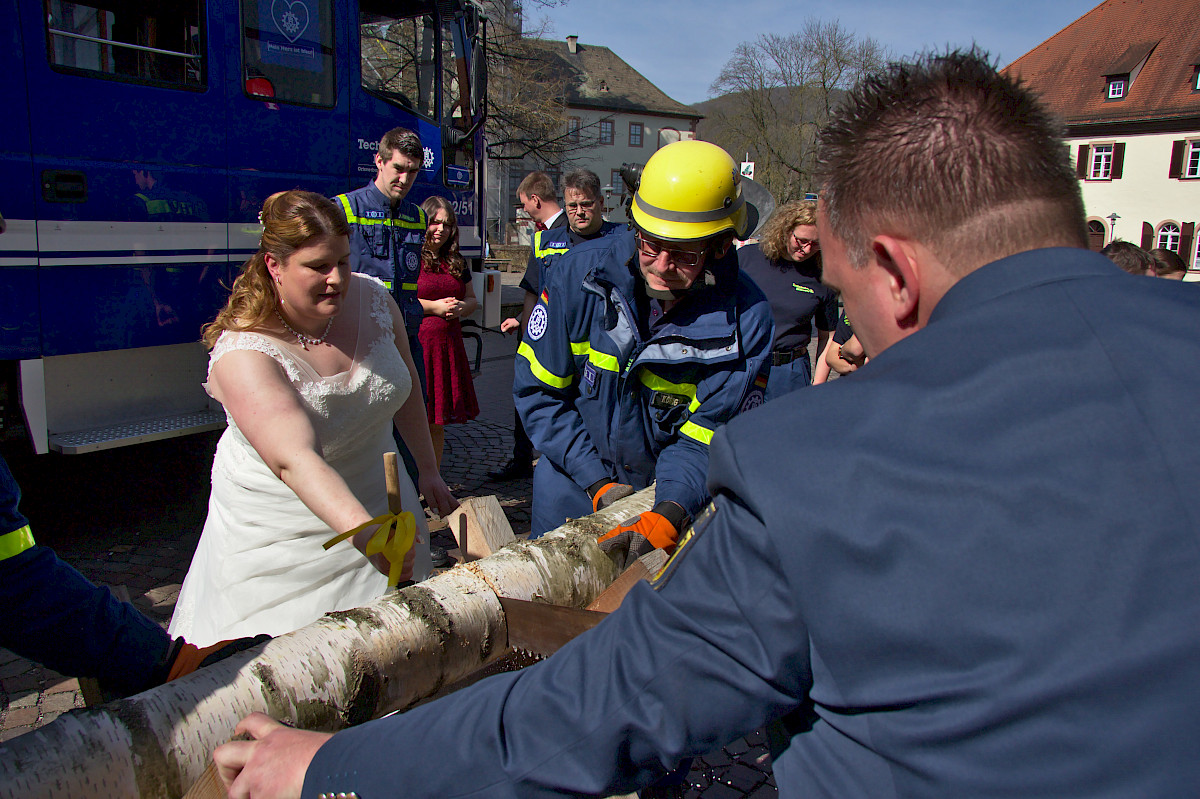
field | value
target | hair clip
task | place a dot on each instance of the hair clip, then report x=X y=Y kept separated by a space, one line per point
x=260 y=217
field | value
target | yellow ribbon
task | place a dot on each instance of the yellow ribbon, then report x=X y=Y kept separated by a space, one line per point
x=393 y=539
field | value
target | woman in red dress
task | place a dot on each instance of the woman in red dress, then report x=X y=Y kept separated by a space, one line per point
x=444 y=288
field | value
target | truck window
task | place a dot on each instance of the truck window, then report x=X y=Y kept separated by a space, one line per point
x=156 y=43
x=399 y=57
x=456 y=111
x=288 y=51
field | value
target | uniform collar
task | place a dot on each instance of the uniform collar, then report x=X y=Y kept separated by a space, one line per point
x=1018 y=272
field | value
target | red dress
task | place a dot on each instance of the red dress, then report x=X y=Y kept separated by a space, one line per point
x=447 y=373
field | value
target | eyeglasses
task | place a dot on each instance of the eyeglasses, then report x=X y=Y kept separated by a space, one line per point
x=805 y=244
x=680 y=257
x=583 y=205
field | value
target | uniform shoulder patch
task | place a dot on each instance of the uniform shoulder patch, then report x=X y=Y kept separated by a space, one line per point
x=538 y=322
x=684 y=546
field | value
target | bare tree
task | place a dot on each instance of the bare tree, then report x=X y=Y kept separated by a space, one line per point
x=778 y=91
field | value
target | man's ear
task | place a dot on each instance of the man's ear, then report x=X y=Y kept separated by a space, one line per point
x=900 y=259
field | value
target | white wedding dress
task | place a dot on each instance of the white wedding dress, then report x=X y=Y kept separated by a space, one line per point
x=260 y=566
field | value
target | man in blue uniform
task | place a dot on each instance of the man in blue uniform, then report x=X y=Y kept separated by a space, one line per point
x=583 y=206
x=57 y=617
x=641 y=345
x=1000 y=612
x=539 y=200
x=386 y=232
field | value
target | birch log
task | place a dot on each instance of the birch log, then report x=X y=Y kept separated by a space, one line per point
x=344 y=669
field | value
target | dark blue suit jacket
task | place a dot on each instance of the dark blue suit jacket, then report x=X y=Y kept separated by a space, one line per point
x=993 y=592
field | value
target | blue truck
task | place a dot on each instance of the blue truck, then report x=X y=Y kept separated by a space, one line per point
x=140 y=140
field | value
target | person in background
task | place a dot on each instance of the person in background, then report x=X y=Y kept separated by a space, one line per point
x=447 y=297
x=786 y=265
x=1168 y=264
x=998 y=613
x=57 y=617
x=386 y=235
x=311 y=363
x=539 y=200
x=844 y=353
x=1130 y=257
x=642 y=343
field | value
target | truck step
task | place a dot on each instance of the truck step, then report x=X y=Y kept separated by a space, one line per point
x=121 y=435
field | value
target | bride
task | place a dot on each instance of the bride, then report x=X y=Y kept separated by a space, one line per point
x=313 y=367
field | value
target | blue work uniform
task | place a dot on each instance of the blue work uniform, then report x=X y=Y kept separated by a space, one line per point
x=605 y=392
x=844 y=331
x=1004 y=604
x=798 y=301
x=57 y=617
x=551 y=244
x=385 y=242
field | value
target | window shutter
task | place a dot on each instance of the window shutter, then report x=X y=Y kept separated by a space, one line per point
x=1118 y=165
x=1187 y=233
x=1081 y=162
x=1177 y=150
x=1147 y=236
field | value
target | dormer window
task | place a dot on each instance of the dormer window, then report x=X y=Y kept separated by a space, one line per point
x=1116 y=88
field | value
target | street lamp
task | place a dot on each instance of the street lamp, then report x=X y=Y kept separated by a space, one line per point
x=1112 y=221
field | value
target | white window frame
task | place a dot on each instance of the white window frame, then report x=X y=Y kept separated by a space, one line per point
x=1100 y=164
x=1167 y=237
x=1116 y=88
x=641 y=134
x=574 y=124
x=612 y=132
x=1191 y=160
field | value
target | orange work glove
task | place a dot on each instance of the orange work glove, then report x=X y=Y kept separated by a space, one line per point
x=608 y=493
x=186 y=657
x=638 y=536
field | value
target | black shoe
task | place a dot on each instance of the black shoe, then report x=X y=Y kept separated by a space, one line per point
x=442 y=538
x=513 y=470
x=439 y=557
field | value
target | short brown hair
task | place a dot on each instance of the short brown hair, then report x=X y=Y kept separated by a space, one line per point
x=583 y=180
x=1130 y=257
x=951 y=152
x=538 y=183
x=773 y=240
x=290 y=220
x=403 y=141
x=1167 y=262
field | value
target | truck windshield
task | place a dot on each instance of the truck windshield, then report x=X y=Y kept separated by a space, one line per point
x=399 y=62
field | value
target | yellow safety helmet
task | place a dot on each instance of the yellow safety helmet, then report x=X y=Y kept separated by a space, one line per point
x=690 y=190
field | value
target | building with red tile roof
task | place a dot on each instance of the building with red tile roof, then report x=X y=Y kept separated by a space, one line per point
x=1125 y=79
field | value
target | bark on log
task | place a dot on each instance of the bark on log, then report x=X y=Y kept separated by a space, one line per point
x=344 y=669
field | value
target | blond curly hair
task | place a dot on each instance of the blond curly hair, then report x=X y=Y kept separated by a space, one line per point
x=290 y=220
x=773 y=241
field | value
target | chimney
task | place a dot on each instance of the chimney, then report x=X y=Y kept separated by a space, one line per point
x=572 y=44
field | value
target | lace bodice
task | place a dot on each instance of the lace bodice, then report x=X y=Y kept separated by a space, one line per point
x=346 y=409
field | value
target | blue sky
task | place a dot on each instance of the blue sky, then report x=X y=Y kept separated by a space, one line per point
x=681 y=45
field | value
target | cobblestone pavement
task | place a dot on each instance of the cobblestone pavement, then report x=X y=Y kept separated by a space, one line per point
x=150 y=559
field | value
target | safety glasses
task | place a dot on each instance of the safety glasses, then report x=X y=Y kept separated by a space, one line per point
x=680 y=257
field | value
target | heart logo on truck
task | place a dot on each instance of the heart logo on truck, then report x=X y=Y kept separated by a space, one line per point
x=290 y=18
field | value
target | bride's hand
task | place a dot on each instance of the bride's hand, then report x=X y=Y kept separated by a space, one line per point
x=436 y=494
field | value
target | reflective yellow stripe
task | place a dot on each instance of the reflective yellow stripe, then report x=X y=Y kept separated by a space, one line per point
x=408 y=287
x=656 y=383
x=693 y=430
x=387 y=284
x=16 y=542
x=416 y=224
x=550 y=251
x=601 y=360
x=541 y=372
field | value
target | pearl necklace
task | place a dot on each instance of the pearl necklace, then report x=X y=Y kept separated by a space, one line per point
x=303 y=339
